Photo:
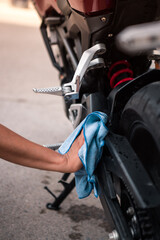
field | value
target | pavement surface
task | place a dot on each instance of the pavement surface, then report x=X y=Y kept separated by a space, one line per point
x=24 y=64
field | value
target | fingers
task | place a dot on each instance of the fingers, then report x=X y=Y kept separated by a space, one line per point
x=73 y=161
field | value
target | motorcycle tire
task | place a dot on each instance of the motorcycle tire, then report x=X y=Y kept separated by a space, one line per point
x=140 y=123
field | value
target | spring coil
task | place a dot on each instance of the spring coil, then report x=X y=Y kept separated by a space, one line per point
x=120 y=72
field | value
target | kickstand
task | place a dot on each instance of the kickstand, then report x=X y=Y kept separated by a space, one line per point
x=68 y=187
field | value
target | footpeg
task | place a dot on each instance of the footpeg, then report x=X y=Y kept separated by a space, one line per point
x=71 y=90
x=52 y=90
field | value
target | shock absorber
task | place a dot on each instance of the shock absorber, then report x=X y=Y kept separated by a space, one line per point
x=120 y=72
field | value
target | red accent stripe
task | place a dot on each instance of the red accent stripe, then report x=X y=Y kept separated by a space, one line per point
x=124 y=80
x=118 y=63
x=112 y=80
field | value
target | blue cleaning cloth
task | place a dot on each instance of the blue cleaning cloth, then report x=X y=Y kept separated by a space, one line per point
x=95 y=131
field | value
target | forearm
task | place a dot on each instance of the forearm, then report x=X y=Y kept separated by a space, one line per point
x=19 y=150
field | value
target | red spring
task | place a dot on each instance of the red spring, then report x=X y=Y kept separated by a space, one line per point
x=120 y=72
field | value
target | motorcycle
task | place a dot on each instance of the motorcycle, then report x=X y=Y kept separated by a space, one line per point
x=100 y=70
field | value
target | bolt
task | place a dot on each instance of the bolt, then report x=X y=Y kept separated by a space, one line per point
x=103 y=19
x=134 y=219
x=110 y=35
x=113 y=235
x=130 y=211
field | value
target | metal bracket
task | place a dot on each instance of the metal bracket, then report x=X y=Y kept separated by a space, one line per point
x=71 y=90
x=84 y=64
x=75 y=114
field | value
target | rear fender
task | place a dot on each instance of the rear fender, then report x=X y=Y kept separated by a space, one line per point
x=120 y=95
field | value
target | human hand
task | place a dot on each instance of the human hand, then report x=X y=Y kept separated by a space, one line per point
x=72 y=161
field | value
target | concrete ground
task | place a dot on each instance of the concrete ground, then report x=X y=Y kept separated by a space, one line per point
x=24 y=64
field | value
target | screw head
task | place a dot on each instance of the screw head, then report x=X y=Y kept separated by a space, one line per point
x=103 y=19
x=130 y=211
x=110 y=35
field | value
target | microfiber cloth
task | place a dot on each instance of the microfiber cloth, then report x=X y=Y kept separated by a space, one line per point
x=95 y=131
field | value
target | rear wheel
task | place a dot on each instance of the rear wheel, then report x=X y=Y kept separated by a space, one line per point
x=141 y=125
